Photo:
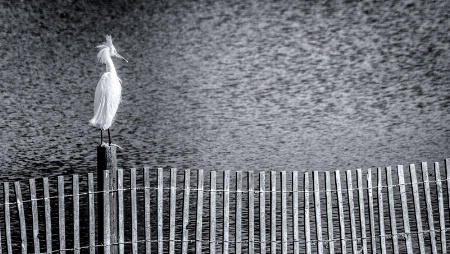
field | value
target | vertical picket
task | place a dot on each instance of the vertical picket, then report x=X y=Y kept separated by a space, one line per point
x=341 y=211
x=212 y=212
x=392 y=209
x=238 y=213
x=283 y=213
x=76 y=214
x=106 y=213
x=160 y=211
x=317 y=210
x=91 y=213
x=147 y=213
x=441 y=207
x=351 y=206
x=447 y=171
x=373 y=241
x=121 y=228
x=362 y=217
x=186 y=193
x=61 y=216
x=295 y=212
x=426 y=182
x=134 y=240
x=329 y=212
x=34 y=216
x=48 y=216
x=172 y=209
x=226 y=211
x=262 y=212
x=381 y=211
x=23 y=227
x=306 y=213
x=273 y=212
x=251 y=213
x=199 y=216
x=417 y=210
x=7 y=218
x=403 y=196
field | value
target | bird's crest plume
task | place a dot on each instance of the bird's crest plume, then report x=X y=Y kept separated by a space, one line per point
x=104 y=49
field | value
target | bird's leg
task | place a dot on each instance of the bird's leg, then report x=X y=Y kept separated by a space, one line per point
x=109 y=136
x=101 y=136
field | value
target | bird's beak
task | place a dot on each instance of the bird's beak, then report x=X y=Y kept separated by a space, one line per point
x=121 y=57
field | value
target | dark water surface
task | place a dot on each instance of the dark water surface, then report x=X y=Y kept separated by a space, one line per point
x=216 y=85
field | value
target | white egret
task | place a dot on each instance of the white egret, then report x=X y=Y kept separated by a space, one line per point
x=108 y=91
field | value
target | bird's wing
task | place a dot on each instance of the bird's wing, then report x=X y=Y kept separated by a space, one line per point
x=99 y=91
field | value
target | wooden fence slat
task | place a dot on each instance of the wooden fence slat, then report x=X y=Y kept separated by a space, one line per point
x=238 y=229
x=341 y=211
x=251 y=213
x=407 y=231
x=329 y=212
x=273 y=212
x=23 y=227
x=34 y=212
x=212 y=212
x=113 y=213
x=1 y=244
x=262 y=212
x=295 y=229
x=317 y=210
x=121 y=229
x=426 y=182
x=91 y=213
x=134 y=240
x=61 y=216
x=186 y=193
x=283 y=213
x=173 y=200
x=199 y=215
x=106 y=214
x=160 y=211
x=48 y=216
x=351 y=206
x=371 y=211
x=441 y=207
x=417 y=209
x=392 y=210
x=7 y=218
x=76 y=214
x=362 y=216
x=447 y=171
x=306 y=213
x=147 y=212
x=381 y=211
x=226 y=211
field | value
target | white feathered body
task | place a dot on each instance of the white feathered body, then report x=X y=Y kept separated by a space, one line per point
x=107 y=100
x=108 y=91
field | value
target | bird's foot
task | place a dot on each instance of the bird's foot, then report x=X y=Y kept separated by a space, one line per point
x=108 y=145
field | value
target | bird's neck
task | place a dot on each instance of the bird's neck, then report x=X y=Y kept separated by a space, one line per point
x=109 y=65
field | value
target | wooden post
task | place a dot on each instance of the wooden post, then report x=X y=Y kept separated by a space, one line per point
x=107 y=160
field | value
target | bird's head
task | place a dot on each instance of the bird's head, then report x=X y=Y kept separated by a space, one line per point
x=107 y=49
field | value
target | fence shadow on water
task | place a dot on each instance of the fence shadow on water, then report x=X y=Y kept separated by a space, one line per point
x=387 y=210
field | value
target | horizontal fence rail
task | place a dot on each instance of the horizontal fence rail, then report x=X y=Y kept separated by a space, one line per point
x=386 y=210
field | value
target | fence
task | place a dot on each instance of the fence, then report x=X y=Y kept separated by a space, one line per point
x=173 y=211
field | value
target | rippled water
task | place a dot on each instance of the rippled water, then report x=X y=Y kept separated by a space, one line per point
x=237 y=85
